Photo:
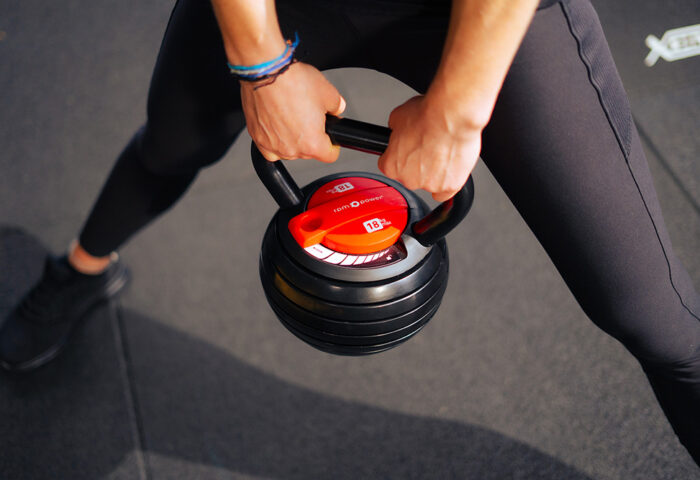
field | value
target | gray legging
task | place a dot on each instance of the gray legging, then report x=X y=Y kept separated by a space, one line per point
x=561 y=143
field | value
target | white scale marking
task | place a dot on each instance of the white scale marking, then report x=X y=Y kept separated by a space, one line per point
x=349 y=260
x=319 y=251
x=337 y=258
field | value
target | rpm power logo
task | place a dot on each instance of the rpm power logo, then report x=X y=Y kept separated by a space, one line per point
x=675 y=44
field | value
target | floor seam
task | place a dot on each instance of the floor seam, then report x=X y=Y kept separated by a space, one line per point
x=135 y=420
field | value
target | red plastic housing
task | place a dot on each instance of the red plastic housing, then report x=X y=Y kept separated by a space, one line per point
x=353 y=215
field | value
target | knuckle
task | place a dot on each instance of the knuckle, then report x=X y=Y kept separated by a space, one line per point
x=269 y=155
x=430 y=185
x=287 y=153
x=391 y=172
x=410 y=183
x=455 y=185
x=386 y=166
x=308 y=146
x=434 y=185
x=393 y=118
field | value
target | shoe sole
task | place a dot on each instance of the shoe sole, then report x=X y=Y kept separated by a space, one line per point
x=112 y=289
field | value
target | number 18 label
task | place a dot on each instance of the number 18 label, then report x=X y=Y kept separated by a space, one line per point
x=373 y=225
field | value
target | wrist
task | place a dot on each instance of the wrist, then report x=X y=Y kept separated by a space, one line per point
x=265 y=73
x=461 y=112
x=255 y=51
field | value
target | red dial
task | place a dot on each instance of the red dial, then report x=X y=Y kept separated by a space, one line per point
x=353 y=215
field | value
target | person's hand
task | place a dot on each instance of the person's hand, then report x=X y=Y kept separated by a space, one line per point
x=287 y=118
x=430 y=147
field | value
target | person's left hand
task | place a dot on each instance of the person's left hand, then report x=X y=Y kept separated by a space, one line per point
x=430 y=147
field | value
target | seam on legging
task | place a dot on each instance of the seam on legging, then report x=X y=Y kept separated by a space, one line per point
x=625 y=152
x=623 y=138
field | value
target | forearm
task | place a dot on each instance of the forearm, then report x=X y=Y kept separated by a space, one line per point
x=482 y=40
x=250 y=30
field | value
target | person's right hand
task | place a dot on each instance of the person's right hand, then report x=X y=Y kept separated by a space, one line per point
x=287 y=118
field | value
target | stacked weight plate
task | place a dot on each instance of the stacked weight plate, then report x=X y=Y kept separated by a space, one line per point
x=346 y=316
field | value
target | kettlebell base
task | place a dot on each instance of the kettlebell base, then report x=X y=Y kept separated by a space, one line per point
x=353 y=335
x=350 y=350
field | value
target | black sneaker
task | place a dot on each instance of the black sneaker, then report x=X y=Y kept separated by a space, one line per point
x=39 y=327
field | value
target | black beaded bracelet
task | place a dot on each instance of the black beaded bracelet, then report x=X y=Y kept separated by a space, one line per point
x=270 y=77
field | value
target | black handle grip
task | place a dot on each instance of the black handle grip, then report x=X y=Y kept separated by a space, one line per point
x=370 y=138
x=362 y=136
x=276 y=179
x=445 y=216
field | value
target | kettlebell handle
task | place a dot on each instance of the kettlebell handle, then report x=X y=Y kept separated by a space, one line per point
x=370 y=138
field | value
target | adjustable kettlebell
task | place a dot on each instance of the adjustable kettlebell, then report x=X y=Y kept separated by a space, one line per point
x=354 y=263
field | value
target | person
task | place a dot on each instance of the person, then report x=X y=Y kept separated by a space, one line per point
x=530 y=86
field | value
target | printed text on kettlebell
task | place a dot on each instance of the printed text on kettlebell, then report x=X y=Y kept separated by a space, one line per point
x=357 y=203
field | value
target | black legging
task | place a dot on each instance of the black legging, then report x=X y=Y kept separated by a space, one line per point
x=561 y=143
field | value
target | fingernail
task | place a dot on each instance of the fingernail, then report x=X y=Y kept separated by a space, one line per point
x=341 y=109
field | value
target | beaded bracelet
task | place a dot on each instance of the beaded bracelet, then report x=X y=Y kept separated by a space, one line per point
x=269 y=70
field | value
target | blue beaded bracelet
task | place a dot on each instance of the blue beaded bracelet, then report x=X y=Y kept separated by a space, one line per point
x=263 y=70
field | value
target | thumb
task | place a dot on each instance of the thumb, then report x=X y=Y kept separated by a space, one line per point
x=340 y=108
x=333 y=101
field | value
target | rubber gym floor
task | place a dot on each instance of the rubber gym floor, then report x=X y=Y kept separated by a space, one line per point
x=190 y=375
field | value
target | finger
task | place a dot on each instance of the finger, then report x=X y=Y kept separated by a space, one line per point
x=335 y=149
x=381 y=165
x=387 y=166
x=270 y=156
x=393 y=118
x=387 y=161
x=442 y=196
x=328 y=153
x=399 y=112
